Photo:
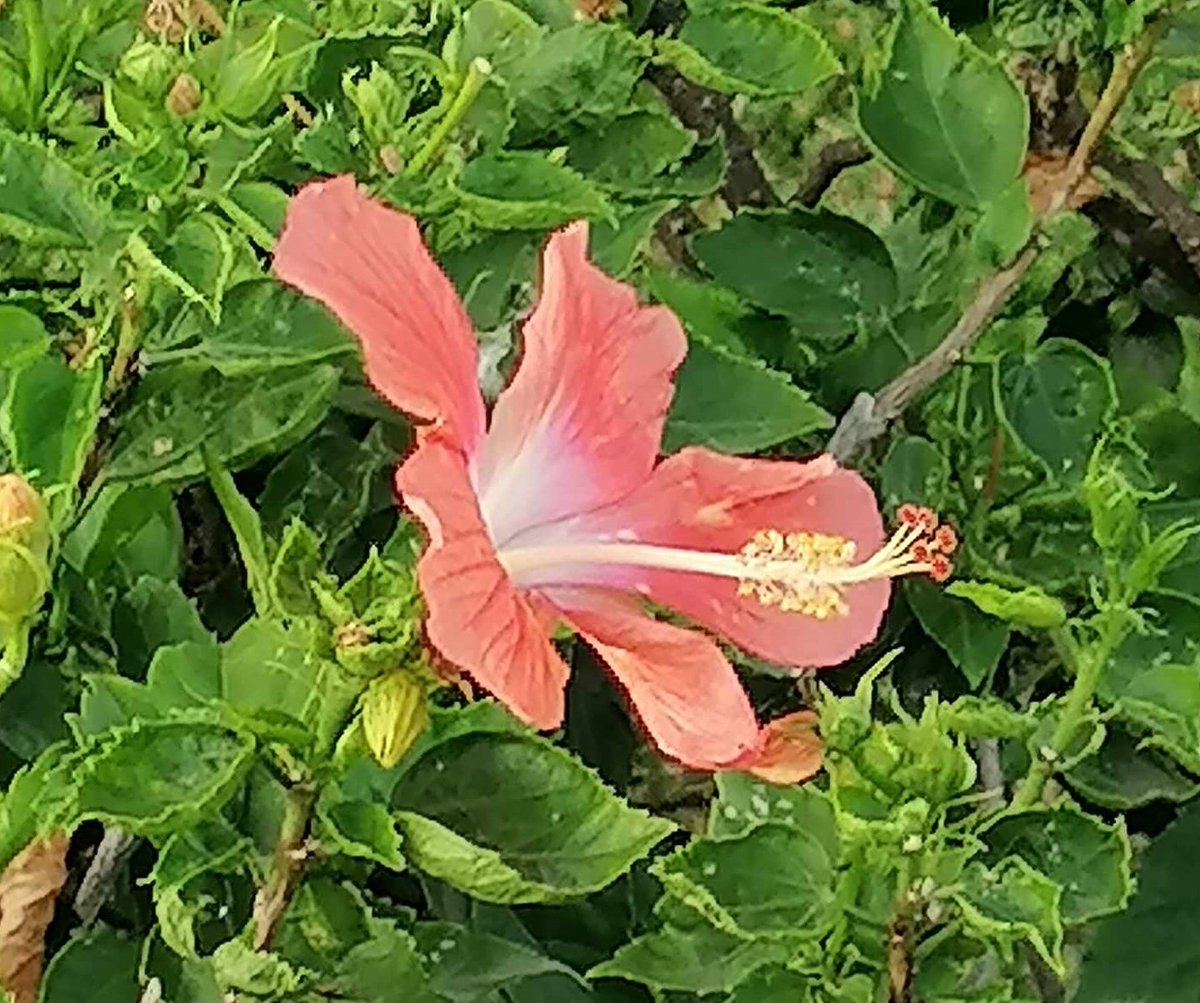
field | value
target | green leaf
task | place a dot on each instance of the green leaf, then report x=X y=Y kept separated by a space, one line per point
x=749 y=48
x=630 y=151
x=916 y=471
x=1140 y=954
x=509 y=818
x=149 y=615
x=973 y=640
x=1057 y=400
x=773 y=985
x=384 y=967
x=469 y=966
x=525 y=191
x=1027 y=607
x=262 y=324
x=200 y=255
x=101 y=966
x=943 y=113
x=822 y=271
x=581 y=74
x=776 y=880
x=49 y=419
x=744 y=803
x=1013 y=902
x=615 y=248
x=494 y=30
x=362 y=829
x=247 y=532
x=689 y=956
x=23 y=337
x=156 y=777
x=736 y=404
x=1086 y=858
x=127 y=533
x=1005 y=225
x=42 y=200
x=177 y=410
x=1123 y=776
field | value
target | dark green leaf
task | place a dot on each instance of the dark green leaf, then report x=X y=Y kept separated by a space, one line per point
x=824 y=272
x=973 y=640
x=526 y=191
x=42 y=200
x=99 y=967
x=736 y=404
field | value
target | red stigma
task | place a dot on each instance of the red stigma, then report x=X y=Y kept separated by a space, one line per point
x=908 y=514
x=940 y=568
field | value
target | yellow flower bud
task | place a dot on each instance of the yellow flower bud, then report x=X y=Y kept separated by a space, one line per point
x=24 y=549
x=395 y=711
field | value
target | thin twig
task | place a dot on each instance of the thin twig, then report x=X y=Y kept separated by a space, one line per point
x=991 y=776
x=707 y=111
x=273 y=898
x=830 y=162
x=1148 y=184
x=100 y=879
x=869 y=416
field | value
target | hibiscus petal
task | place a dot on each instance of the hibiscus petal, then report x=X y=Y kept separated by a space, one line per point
x=790 y=753
x=581 y=423
x=476 y=617
x=368 y=265
x=684 y=691
x=701 y=500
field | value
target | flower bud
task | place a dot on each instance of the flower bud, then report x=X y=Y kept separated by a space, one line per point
x=394 y=713
x=24 y=549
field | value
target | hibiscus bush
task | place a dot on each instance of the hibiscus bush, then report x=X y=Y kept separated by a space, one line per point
x=549 y=501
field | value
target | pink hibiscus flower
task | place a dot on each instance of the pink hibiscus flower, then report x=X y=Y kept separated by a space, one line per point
x=558 y=511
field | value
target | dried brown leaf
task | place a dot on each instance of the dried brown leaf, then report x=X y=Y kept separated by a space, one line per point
x=29 y=888
x=1044 y=172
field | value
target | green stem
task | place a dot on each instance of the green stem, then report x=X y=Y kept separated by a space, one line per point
x=129 y=341
x=477 y=75
x=1087 y=666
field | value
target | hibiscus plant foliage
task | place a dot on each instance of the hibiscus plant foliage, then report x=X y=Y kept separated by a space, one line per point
x=632 y=501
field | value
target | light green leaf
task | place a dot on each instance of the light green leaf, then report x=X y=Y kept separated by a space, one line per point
x=973 y=640
x=943 y=113
x=362 y=829
x=1014 y=902
x=177 y=410
x=1005 y=225
x=774 y=985
x=1027 y=607
x=523 y=190
x=49 y=419
x=23 y=337
x=494 y=30
x=200 y=255
x=749 y=48
x=1086 y=858
x=776 y=880
x=101 y=966
x=1140 y=954
x=127 y=532
x=1057 y=400
x=156 y=777
x=510 y=818
x=736 y=404
x=42 y=200
x=822 y=271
